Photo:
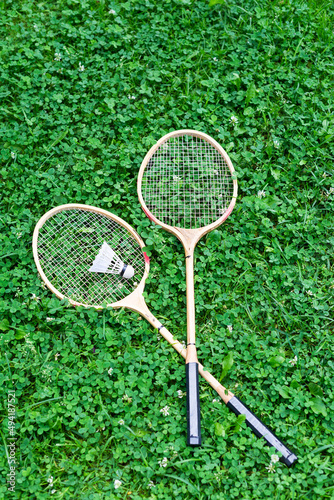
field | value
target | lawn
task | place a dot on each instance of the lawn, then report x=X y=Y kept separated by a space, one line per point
x=97 y=397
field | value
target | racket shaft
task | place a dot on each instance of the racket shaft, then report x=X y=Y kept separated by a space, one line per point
x=191 y=338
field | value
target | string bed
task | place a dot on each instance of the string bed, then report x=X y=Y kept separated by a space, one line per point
x=187 y=183
x=67 y=245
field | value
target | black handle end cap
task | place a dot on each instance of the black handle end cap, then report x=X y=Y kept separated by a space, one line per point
x=290 y=460
x=194 y=441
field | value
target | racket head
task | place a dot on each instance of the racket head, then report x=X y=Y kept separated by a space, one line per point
x=65 y=242
x=198 y=204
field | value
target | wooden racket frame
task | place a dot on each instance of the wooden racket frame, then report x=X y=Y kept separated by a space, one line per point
x=188 y=237
x=134 y=301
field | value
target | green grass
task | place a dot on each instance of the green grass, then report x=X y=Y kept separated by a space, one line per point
x=74 y=129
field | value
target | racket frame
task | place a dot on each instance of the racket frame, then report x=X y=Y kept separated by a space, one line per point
x=133 y=298
x=188 y=237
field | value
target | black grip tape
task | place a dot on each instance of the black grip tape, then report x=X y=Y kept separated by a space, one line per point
x=193 y=407
x=261 y=430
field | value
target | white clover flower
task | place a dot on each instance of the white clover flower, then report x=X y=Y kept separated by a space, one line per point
x=276 y=144
x=121 y=422
x=233 y=119
x=81 y=67
x=309 y=292
x=127 y=398
x=230 y=328
x=57 y=56
x=117 y=483
x=35 y=26
x=50 y=480
x=261 y=194
x=274 y=458
x=222 y=210
x=293 y=361
x=151 y=484
x=215 y=59
x=13 y=155
x=110 y=371
x=271 y=467
x=165 y=411
x=180 y=394
x=18 y=235
x=163 y=462
x=46 y=374
x=57 y=356
x=131 y=97
x=50 y=319
x=112 y=11
x=34 y=297
x=53 y=491
x=176 y=178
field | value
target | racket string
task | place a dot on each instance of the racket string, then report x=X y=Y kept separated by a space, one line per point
x=187 y=182
x=68 y=243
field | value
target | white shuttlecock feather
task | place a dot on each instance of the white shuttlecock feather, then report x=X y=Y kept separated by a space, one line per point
x=107 y=261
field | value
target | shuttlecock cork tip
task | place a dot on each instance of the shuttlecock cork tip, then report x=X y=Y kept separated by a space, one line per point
x=129 y=272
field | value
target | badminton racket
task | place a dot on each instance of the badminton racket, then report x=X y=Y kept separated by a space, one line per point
x=187 y=185
x=68 y=243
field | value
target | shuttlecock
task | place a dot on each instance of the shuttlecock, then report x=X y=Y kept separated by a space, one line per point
x=107 y=261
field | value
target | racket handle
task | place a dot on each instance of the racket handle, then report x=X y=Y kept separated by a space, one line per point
x=260 y=430
x=193 y=408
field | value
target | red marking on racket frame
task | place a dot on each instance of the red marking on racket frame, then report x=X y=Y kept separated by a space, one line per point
x=229 y=211
x=150 y=216
x=146 y=257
